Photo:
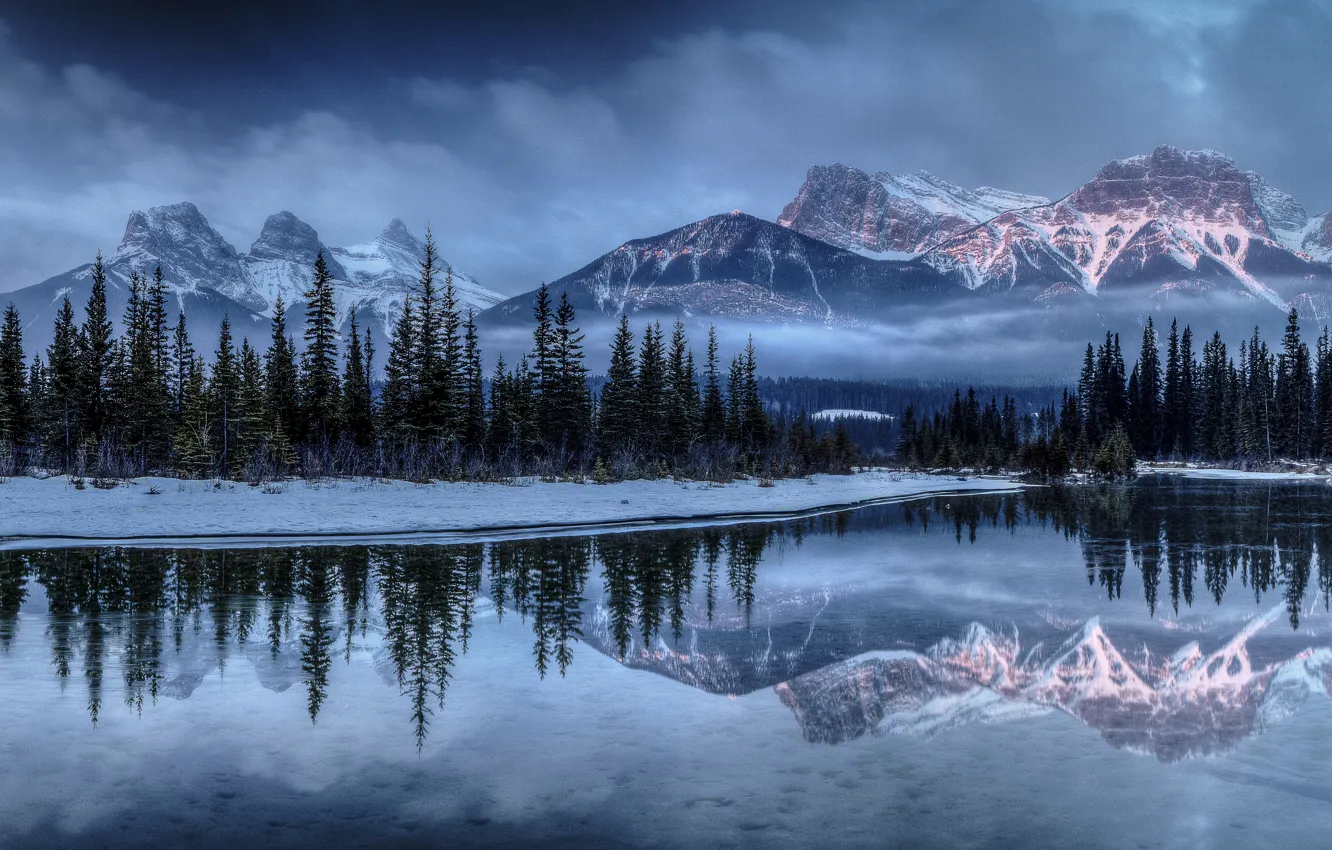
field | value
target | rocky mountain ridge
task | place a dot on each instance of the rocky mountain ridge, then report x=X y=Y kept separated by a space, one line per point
x=207 y=278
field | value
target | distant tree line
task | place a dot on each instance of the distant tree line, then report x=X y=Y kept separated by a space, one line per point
x=1261 y=407
x=146 y=402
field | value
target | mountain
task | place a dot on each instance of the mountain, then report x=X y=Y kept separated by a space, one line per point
x=208 y=278
x=1171 y=221
x=889 y=214
x=204 y=276
x=853 y=248
x=740 y=267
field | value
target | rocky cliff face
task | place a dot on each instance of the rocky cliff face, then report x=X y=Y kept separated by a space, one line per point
x=1171 y=220
x=891 y=214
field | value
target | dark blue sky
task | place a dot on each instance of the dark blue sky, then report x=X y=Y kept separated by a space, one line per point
x=535 y=136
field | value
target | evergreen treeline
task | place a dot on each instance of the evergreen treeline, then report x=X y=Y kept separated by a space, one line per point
x=1260 y=407
x=147 y=402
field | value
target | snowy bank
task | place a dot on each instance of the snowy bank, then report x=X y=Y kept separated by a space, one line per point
x=1230 y=474
x=53 y=510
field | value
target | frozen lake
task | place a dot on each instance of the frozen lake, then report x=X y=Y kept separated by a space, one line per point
x=1134 y=666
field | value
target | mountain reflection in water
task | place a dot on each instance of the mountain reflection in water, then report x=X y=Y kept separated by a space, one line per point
x=846 y=656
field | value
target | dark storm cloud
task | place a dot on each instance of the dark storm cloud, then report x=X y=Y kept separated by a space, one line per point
x=535 y=137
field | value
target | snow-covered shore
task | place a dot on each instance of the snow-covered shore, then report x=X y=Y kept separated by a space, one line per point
x=54 y=512
x=1230 y=474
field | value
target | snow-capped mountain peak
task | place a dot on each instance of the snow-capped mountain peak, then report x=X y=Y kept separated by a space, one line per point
x=281 y=263
x=179 y=239
x=891 y=215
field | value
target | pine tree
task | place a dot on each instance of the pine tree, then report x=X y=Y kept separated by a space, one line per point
x=1294 y=393
x=63 y=384
x=617 y=413
x=735 y=404
x=193 y=440
x=251 y=414
x=451 y=383
x=1322 y=432
x=281 y=378
x=908 y=439
x=319 y=372
x=1188 y=394
x=1088 y=384
x=755 y=418
x=398 y=397
x=356 y=411
x=712 y=419
x=568 y=406
x=1147 y=404
x=15 y=414
x=95 y=344
x=223 y=392
x=651 y=391
x=473 y=434
x=182 y=360
x=430 y=402
x=502 y=427
x=1172 y=396
x=542 y=361
x=682 y=403
x=1214 y=394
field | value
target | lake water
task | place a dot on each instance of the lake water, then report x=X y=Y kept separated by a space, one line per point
x=1135 y=666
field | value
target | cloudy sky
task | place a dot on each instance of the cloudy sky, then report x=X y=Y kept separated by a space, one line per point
x=533 y=138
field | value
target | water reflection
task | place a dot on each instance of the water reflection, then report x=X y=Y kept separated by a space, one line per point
x=846 y=657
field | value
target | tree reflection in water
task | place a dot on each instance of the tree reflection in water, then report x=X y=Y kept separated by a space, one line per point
x=150 y=614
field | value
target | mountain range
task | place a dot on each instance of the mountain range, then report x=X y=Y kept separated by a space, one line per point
x=851 y=248
x=207 y=278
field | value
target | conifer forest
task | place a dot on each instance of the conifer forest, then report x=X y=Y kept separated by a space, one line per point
x=146 y=402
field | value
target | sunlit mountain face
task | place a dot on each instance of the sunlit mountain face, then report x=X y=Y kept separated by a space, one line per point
x=1176 y=618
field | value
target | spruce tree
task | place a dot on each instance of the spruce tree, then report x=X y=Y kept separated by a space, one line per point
x=95 y=343
x=1322 y=432
x=1172 y=396
x=251 y=414
x=193 y=440
x=542 y=361
x=755 y=418
x=63 y=384
x=356 y=411
x=319 y=372
x=1294 y=393
x=712 y=418
x=15 y=414
x=397 y=400
x=1185 y=423
x=501 y=427
x=1147 y=404
x=223 y=392
x=451 y=381
x=568 y=406
x=682 y=403
x=280 y=378
x=182 y=360
x=651 y=391
x=473 y=433
x=1088 y=395
x=617 y=413
x=735 y=404
x=430 y=403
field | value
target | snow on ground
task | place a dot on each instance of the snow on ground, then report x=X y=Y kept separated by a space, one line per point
x=844 y=413
x=1231 y=474
x=54 y=508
